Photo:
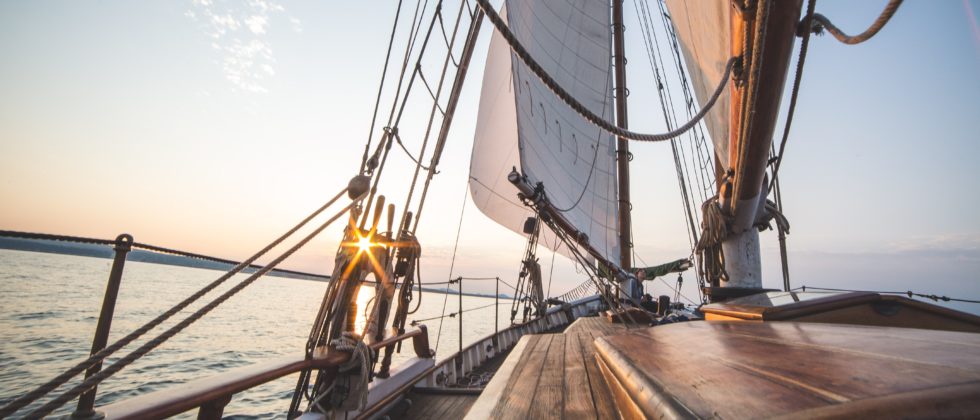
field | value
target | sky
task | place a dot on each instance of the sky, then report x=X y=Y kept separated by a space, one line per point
x=213 y=126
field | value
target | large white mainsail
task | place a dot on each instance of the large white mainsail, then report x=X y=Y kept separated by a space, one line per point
x=523 y=125
x=703 y=30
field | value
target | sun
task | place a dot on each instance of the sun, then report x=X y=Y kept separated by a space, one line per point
x=364 y=243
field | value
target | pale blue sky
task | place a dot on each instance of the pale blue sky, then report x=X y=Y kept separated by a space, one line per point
x=212 y=127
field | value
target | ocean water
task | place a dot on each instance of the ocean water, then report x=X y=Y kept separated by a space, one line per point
x=49 y=306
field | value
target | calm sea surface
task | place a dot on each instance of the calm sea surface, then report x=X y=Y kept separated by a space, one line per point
x=49 y=306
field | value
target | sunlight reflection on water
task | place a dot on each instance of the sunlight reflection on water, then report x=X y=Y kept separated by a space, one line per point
x=49 y=305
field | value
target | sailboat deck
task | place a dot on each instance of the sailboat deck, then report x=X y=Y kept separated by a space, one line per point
x=553 y=376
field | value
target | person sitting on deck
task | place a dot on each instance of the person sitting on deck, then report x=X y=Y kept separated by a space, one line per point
x=650 y=273
x=648 y=303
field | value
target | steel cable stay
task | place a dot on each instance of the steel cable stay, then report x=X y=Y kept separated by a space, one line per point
x=700 y=155
x=381 y=85
x=432 y=112
x=476 y=17
x=449 y=45
x=368 y=164
x=909 y=293
x=453 y=314
x=650 y=44
x=592 y=271
x=384 y=146
x=97 y=378
x=706 y=179
x=452 y=262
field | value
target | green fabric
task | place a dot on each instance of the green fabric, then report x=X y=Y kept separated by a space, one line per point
x=650 y=273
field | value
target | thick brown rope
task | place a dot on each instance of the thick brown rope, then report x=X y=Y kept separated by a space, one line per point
x=577 y=106
x=879 y=23
x=804 y=46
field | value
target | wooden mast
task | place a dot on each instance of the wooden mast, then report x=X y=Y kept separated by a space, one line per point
x=622 y=145
x=760 y=90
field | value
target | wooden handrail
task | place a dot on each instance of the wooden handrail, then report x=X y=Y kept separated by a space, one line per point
x=212 y=393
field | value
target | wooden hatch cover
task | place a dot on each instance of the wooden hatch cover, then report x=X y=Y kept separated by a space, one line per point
x=860 y=308
x=769 y=369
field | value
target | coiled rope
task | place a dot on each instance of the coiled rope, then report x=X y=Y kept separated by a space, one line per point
x=358 y=368
x=577 y=106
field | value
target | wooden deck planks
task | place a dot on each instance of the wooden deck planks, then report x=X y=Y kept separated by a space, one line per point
x=595 y=325
x=549 y=394
x=517 y=402
x=578 y=391
x=601 y=396
x=556 y=376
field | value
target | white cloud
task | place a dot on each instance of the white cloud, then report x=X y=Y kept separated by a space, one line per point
x=246 y=58
x=256 y=24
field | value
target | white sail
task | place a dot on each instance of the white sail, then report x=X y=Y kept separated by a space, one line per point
x=703 y=29
x=523 y=125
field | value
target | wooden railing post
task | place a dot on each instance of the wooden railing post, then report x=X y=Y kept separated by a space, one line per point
x=124 y=243
x=214 y=409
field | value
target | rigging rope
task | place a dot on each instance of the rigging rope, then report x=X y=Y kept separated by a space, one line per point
x=815 y=22
x=452 y=263
x=166 y=335
x=804 y=46
x=398 y=139
x=432 y=112
x=577 y=106
x=377 y=100
x=872 y=30
x=393 y=121
x=677 y=291
x=453 y=314
x=92 y=360
x=649 y=41
x=909 y=293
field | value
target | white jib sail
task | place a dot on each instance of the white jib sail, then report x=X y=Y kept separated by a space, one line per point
x=703 y=29
x=523 y=125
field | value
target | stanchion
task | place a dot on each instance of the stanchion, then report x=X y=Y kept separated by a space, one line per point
x=86 y=403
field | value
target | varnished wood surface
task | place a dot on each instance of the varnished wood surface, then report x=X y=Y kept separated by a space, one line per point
x=556 y=376
x=751 y=370
x=858 y=308
x=597 y=326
